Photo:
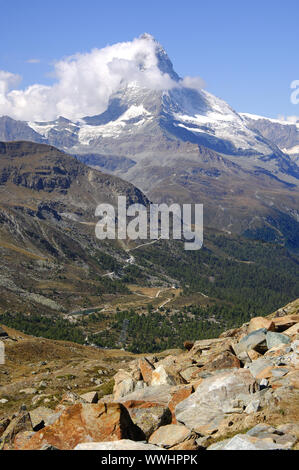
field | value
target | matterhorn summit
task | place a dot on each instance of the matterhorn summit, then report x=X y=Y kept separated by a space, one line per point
x=163 y=61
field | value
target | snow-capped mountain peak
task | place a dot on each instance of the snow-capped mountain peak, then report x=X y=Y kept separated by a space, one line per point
x=184 y=113
x=163 y=61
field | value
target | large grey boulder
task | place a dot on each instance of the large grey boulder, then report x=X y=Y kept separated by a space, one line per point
x=149 y=418
x=188 y=372
x=216 y=396
x=253 y=406
x=205 y=347
x=245 y=442
x=124 y=388
x=255 y=340
x=280 y=372
x=90 y=397
x=289 y=428
x=159 y=394
x=126 y=383
x=41 y=417
x=260 y=364
x=265 y=434
x=275 y=339
x=261 y=429
x=161 y=376
x=260 y=437
x=124 y=444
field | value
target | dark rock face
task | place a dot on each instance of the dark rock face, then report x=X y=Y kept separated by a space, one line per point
x=40 y=182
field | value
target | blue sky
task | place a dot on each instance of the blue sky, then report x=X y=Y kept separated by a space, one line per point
x=246 y=54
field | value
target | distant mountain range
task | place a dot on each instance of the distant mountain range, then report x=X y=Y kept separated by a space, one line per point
x=285 y=134
x=186 y=145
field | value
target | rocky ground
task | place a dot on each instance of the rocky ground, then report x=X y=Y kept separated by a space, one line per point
x=238 y=391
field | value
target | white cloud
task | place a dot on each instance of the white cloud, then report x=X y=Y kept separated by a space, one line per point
x=196 y=83
x=84 y=82
x=8 y=81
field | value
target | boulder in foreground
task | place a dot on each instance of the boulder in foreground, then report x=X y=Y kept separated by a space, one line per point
x=222 y=393
x=84 y=423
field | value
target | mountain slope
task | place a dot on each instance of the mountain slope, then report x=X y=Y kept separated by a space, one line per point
x=50 y=258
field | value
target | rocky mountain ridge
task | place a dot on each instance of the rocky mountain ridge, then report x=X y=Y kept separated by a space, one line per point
x=285 y=134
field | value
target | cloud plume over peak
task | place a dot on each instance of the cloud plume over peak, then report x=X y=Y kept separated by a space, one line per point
x=84 y=82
